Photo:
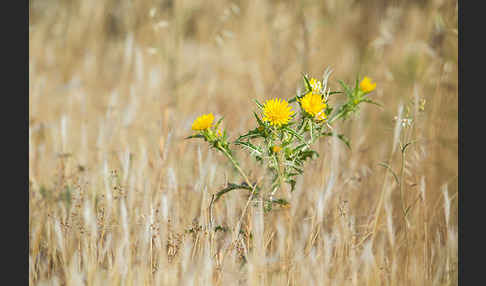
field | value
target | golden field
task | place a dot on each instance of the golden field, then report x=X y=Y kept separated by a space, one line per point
x=118 y=197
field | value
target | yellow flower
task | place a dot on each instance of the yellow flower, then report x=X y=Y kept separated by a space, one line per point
x=366 y=85
x=316 y=85
x=277 y=111
x=219 y=133
x=276 y=148
x=312 y=103
x=203 y=122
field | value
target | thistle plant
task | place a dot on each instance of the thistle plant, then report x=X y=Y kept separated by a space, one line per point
x=283 y=137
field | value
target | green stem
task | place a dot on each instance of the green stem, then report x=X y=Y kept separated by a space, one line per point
x=279 y=175
x=237 y=166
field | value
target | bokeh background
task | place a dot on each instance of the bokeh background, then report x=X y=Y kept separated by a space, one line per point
x=117 y=196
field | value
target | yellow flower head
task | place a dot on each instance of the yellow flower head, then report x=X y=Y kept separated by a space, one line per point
x=316 y=85
x=277 y=111
x=203 y=122
x=276 y=148
x=312 y=103
x=366 y=85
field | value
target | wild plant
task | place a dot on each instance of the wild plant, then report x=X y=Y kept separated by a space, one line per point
x=284 y=135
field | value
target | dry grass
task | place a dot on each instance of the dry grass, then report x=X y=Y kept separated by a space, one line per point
x=118 y=197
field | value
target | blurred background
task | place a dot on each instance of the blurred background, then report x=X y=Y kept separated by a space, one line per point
x=115 y=85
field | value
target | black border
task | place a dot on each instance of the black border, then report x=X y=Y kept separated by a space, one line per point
x=15 y=131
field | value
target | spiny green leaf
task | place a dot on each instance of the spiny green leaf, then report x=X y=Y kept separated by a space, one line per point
x=298 y=148
x=346 y=88
x=367 y=100
x=335 y=92
x=300 y=171
x=249 y=146
x=260 y=122
x=231 y=187
x=297 y=162
x=258 y=104
x=292 y=174
x=307 y=83
x=308 y=154
x=298 y=96
x=280 y=202
x=250 y=134
x=194 y=136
